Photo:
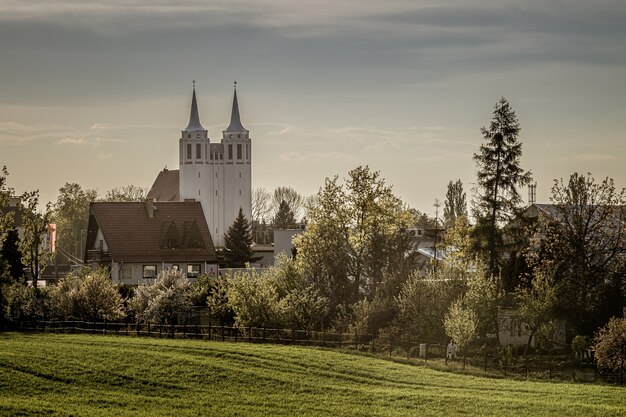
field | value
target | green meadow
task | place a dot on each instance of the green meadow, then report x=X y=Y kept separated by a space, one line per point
x=86 y=375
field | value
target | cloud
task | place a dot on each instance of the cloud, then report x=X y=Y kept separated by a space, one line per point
x=297 y=157
x=72 y=141
x=594 y=157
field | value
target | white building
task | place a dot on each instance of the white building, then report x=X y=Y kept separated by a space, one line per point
x=218 y=175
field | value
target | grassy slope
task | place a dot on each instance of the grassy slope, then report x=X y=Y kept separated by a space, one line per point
x=99 y=375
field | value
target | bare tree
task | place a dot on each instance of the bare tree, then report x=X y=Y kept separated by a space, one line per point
x=126 y=193
x=294 y=200
x=261 y=204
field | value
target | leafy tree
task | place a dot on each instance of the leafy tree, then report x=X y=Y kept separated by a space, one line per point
x=12 y=255
x=536 y=305
x=584 y=238
x=125 y=193
x=293 y=199
x=6 y=217
x=458 y=244
x=217 y=300
x=498 y=177
x=354 y=235
x=461 y=325
x=25 y=303
x=166 y=301
x=35 y=227
x=485 y=297
x=284 y=218
x=71 y=214
x=455 y=204
x=610 y=346
x=238 y=243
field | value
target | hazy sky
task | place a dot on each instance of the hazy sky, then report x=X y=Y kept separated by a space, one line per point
x=98 y=93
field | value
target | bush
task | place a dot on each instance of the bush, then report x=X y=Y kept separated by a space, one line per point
x=25 y=303
x=166 y=301
x=610 y=345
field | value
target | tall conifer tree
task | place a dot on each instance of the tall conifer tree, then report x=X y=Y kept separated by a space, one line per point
x=498 y=177
x=237 y=243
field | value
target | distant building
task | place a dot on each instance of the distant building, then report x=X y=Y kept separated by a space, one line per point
x=218 y=175
x=137 y=240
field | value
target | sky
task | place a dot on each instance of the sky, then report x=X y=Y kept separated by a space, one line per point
x=98 y=92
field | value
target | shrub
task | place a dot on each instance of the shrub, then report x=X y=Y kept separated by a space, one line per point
x=166 y=301
x=610 y=345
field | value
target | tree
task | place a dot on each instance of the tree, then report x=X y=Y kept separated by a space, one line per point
x=6 y=216
x=35 y=228
x=71 y=215
x=261 y=208
x=498 y=177
x=610 y=346
x=461 y=325
x=356 y=233
x=293 y=199
x=455 y=204
x=238 y=243
x=166 y=301
x=536 y=305
x=284 y=218
x=12 y=255
x=125 y=193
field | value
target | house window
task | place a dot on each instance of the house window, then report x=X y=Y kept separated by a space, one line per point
x=189 y=151
x=193 y=270
x=198 y=151
x=149 y=271
x=239 y=151
x=230 y=151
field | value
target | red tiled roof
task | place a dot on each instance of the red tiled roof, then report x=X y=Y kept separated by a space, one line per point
x=166 y=186
x=133 y=236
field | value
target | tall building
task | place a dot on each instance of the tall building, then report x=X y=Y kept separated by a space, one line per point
x=218 y=175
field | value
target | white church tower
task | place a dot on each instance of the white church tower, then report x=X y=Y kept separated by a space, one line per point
x=219 y=175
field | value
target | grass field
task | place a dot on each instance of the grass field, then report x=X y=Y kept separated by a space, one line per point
x=108 y=375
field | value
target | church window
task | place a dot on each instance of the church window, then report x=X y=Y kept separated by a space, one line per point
x=230 y=151
x=211 y=157
x=221 y=156
x=240 y=175
x=198 y=151
x=189 y=151
x=215 y=192
x=239 y=151
x=189 y=135
x=198 y=135
x=198 y=192
x=216 y=175
x=198 y=175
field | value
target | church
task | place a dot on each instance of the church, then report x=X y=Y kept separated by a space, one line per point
x=216 y=174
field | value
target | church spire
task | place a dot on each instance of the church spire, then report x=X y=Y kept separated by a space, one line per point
x=235 y=121
x=194 y=118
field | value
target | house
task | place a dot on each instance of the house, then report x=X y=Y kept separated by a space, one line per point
x=137 y=240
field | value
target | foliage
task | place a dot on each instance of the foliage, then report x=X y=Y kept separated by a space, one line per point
x=580 y=344
x=424 y=300
x=217 y=300
x=536 y=305
x=498 y=177
x=11 y=254
x=584 y=239
x=610 y=345
x=23 y=302
x=166 y=301
x=355 y=234
x=548 y=334
x=284 y=218
x=484 y=296
x=71 y=215
x=87 y=295
x=126 y=193
x=279 y=297
x=458 y=244
x=238 y=243
x=35 y=251
x=461 y=324
x=455 y=205
x=6 y=217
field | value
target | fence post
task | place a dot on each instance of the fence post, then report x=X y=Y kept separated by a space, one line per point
x=210 y=329
x=249 y=333
x=105 y=327
x=390 y=344
x=222 y=332
x=486 y=358
x=149 y=332
x=573 y=367
x=263 y=334
x=197 y=335
x=236 y=330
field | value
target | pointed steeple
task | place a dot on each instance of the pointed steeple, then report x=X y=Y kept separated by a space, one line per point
x=235 y=121
x=194 y=118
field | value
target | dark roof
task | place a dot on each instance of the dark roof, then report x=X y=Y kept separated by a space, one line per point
x=176 y=232
x=166 y=186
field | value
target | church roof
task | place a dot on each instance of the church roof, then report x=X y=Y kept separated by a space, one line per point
x=235 y=120
x=152 y=231
x=166 y=186
x=194 y=118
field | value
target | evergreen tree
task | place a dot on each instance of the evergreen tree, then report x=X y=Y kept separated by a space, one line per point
x=498 y=178
x=284 y=218
x=455 y=204
x=12 y=255
x=237 y=243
